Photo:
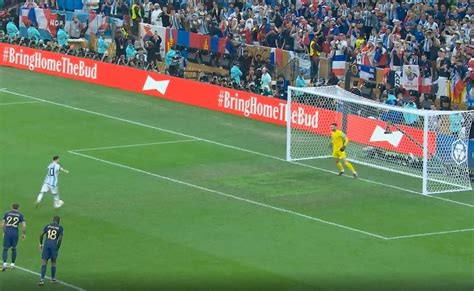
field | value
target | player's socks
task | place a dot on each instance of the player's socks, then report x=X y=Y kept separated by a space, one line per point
x=43 y=271
x=39 y=198
x=55 y=200
x=5 y=255
x=350 y=167
x=13 y=256
x=53 y=272
x=340 y=167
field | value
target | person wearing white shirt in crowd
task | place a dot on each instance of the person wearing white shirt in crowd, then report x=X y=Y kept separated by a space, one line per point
x=147 y=7
x=30 y=4
x=266 y=81
x=156 y=15
x=431 y=24
x=76 y=27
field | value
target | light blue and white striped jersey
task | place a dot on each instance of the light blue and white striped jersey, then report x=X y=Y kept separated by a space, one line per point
x=52 y=175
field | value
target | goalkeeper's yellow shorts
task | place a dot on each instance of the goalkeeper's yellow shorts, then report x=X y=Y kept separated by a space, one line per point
x=338 y=154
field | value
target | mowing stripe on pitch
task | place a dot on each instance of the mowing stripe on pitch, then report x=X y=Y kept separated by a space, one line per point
x=429 y=234
x=227 y=146
x=49 y=278
x=136 y=145
x=230 y=195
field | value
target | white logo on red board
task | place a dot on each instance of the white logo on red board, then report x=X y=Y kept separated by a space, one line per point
x=459 y=152
x=152 y=84
x=381 y=135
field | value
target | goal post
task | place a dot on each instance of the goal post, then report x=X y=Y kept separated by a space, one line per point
x=427 y=146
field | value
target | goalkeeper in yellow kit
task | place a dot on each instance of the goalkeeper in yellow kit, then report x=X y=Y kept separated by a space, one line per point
x=339 y=142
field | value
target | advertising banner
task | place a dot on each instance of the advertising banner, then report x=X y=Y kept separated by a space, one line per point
x=253 y=106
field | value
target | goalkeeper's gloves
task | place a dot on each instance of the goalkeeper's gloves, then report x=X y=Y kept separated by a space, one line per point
x=343 y=148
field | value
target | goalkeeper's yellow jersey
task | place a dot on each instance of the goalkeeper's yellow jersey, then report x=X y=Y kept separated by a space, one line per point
x=338 y=139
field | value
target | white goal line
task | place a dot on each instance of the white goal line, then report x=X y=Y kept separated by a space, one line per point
x=225 y=145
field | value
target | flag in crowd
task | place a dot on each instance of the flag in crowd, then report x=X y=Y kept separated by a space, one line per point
x=410 y=77
x=366 y=72
x=339 y=65
x=45 y=20
x=276 y=56
x=48 y=22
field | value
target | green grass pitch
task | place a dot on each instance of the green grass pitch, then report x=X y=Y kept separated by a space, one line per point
x=171 y=197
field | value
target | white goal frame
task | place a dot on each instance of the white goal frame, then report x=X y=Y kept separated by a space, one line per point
x=338 y=95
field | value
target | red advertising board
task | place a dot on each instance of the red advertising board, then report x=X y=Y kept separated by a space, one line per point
x=212 y=97
x=372 y=132
x=262 y=108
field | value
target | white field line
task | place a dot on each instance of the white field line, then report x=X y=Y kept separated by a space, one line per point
x=390 y=186
x=429 y=233
x=136 y=145
x=223 y=145
x=59 y=281
x=229 y=195
x=17 y=103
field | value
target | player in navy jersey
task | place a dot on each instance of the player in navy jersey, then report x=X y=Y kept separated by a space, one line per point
x=54 y=236
x=10 y=224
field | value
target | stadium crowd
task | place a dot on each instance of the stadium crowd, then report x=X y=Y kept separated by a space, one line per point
x=437 y=35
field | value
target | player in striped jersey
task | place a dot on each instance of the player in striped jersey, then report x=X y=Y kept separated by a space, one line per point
x=50 y=183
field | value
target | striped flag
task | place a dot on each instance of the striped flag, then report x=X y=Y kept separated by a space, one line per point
x=339 y=65
x=366 y=73
x=276 y=56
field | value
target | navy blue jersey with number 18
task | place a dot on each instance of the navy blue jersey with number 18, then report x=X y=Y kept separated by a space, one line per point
x=53 y=233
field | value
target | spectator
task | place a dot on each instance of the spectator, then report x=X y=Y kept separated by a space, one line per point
x=266 y=82
x=281 y=87
x=63 y=37
x=410 y=118
x=300 y=82
x=102 y=45
x=136 y=16
x=76 y=27
x=33 y=34
x=120 y=44
x=165 y=17
x=235 y=74
x=12 y=30
x=130 y=51
x=170 y=55
x=155 y=42
x=333 y=80
x=156 y=15
x=147 y=8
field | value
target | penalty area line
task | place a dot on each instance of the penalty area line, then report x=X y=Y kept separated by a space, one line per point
x=49 y=278
x=18 y=103
x=136 y=145
x=429 y=234
x=231 y=196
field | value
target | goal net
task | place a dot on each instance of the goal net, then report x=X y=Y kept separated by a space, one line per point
x=428 y=149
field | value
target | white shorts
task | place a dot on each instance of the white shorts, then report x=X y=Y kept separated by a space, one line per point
x=48 y=188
